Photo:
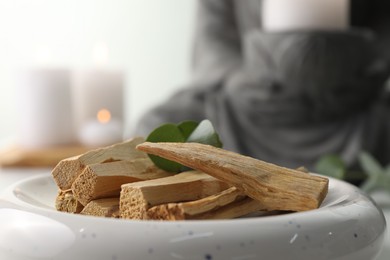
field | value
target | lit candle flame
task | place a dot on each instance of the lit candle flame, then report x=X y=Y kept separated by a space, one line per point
x=103 y=116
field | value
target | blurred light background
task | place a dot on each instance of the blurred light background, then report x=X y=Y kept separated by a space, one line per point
x=149 y=40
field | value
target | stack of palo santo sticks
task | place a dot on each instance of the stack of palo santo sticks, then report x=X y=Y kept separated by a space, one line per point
x=121 y=181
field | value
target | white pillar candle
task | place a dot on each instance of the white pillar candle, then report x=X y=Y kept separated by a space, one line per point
x=101 y=131
x=44 y=107
x=287 y=15
x=94 y=91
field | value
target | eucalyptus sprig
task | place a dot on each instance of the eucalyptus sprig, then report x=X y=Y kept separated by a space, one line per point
x=187 y=131
x=378 y=177
x=372 y=177
x=331 y=165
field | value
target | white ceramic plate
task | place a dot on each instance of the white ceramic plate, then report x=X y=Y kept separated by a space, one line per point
x=348 y=225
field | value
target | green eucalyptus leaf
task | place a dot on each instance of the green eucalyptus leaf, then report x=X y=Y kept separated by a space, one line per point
x=370 y=165
x=166 y=165
x=166 y=133
x=377 y=174
x=331 y=165
x=205 y=134
x=187 y=127
x=369 y=185
x=187 y=131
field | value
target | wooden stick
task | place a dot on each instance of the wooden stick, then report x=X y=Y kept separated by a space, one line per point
x=69 y=169
x=230 y=203
x=136 y=198
x=235 y=209
x=66 y=202
x=211 y=202
x=277 y=188
x=104 y=180
x=108 y=207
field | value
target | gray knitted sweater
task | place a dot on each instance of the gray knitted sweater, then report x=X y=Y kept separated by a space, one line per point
x=287 y=97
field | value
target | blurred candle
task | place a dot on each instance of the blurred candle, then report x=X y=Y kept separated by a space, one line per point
x=99 y=91
x=94 y=90
x=44 y=107
x=102 y=131
x=285 y=15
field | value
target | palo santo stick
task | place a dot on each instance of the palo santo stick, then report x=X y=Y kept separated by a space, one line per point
x=69 y=169
x=230 y=203
x=136 y=198
x=108 y=207
x=236 y=209
x=211 y=202
x=105 y=180
x=277 y=188
x=66 y=202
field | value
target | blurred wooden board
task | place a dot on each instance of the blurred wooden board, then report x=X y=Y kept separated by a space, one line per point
x=16 y=156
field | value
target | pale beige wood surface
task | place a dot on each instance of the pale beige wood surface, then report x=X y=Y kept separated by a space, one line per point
x=66 y=202
x=230 y=203
x=276 y=187
x=107 y=207
x=136 y=198
x=105 y=179
x=69 y=169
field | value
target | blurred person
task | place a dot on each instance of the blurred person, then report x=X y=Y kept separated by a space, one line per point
x=287 y=97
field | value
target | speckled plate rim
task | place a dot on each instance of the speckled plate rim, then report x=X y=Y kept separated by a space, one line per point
x=348 y=224
x=340 y=195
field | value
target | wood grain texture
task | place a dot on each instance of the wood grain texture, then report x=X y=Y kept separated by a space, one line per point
x=67 y=170
x=136 y=198
x=104 y=180
x=230 y=203
x=107 y=207
x=276 y=187
x=66 y=202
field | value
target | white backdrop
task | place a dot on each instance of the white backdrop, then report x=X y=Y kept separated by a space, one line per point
x=150 y=40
